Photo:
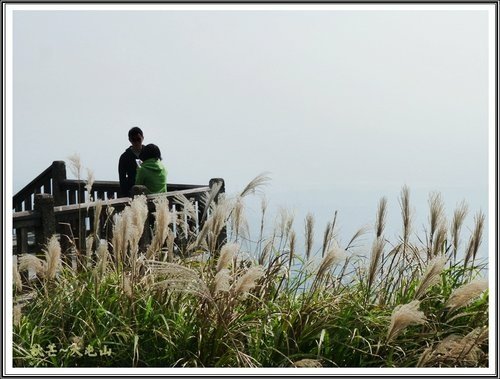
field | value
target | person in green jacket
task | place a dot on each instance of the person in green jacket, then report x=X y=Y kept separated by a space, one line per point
x=152 y=173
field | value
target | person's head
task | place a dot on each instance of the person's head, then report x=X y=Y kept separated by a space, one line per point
x=150 y=151
x=136 y=137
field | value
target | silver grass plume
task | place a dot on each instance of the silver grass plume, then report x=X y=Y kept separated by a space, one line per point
x=439 y=245
x=381 y=217
x=188 y=212
x=476 y=237
x=265 y=252
x=177 y=278
x=406 y=215
x=75 y=165
x=404 y=316
x=102 y=260
x=263 y=209
x=227 y=254
x=293 y=238
x=127 y=286
x=119 y=236
x=359 y=233
x=329 y=235
x=139 y=215
x=456 y=226
x=258 y=181
x=53 y=257
x=207 y=199
x=170 y=246
x=17 y=314
x=248 y=281
x=239 y=224
x=30 y=262
x=187 y=205
x=455 y=350
x=307 y=362
x=436 y=215
x=463 y=295
x=284 y=222
x=333 y=256
x=213 y=225
x=97 y=217
x=128 y=228
x=90 y=182
x=18 y=284
x=309 y=234
x=222 y=281
x=431 y=275
x=163 y=218
x=375 y=260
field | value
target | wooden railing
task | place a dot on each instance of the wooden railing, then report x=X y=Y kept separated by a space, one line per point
x=52 y=204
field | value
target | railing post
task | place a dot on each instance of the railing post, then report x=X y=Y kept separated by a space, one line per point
x=44 y=204
x=58 y=176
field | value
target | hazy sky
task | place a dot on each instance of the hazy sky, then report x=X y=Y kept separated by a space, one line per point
x=342 y=107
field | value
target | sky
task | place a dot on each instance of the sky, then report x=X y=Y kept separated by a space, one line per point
x=341 y=106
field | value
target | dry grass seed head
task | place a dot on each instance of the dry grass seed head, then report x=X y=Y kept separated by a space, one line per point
x=214 y=224
x=75 y=164
x=90 y=182
x=18 y=284
x=258 y=181
x=457 y=222
x=187 y=206
x=102 y=259
x=381 y=217
x=127 y=286
x=17 y=314
x=53 y=257
x=431 y=275
x=406 y=212
x=227 y=255
x=222 y=281
x=176 y=277
x=284 y=222
x=306 y=362
x=309 y=234
x=455 y=350
x=139 y=213
x=436 y=211
x=30 y=262
x=293 y=240
x=239 y=223
x=440 y=239
x=465 y=294
x=163 y=218
x=375 y=259
x=248 y=280
x=97 y=215
x=404 y=316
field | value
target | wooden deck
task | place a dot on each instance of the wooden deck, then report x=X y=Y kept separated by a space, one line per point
x=52 y=204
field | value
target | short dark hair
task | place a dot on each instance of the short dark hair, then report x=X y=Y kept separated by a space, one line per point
x=150 y=151
x=134 y=131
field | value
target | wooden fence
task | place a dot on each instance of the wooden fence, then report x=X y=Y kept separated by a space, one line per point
x=52 y=204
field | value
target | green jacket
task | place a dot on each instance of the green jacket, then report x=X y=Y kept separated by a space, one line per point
x=153 y=175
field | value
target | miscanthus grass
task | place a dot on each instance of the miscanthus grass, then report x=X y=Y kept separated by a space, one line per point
x=205 y=297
